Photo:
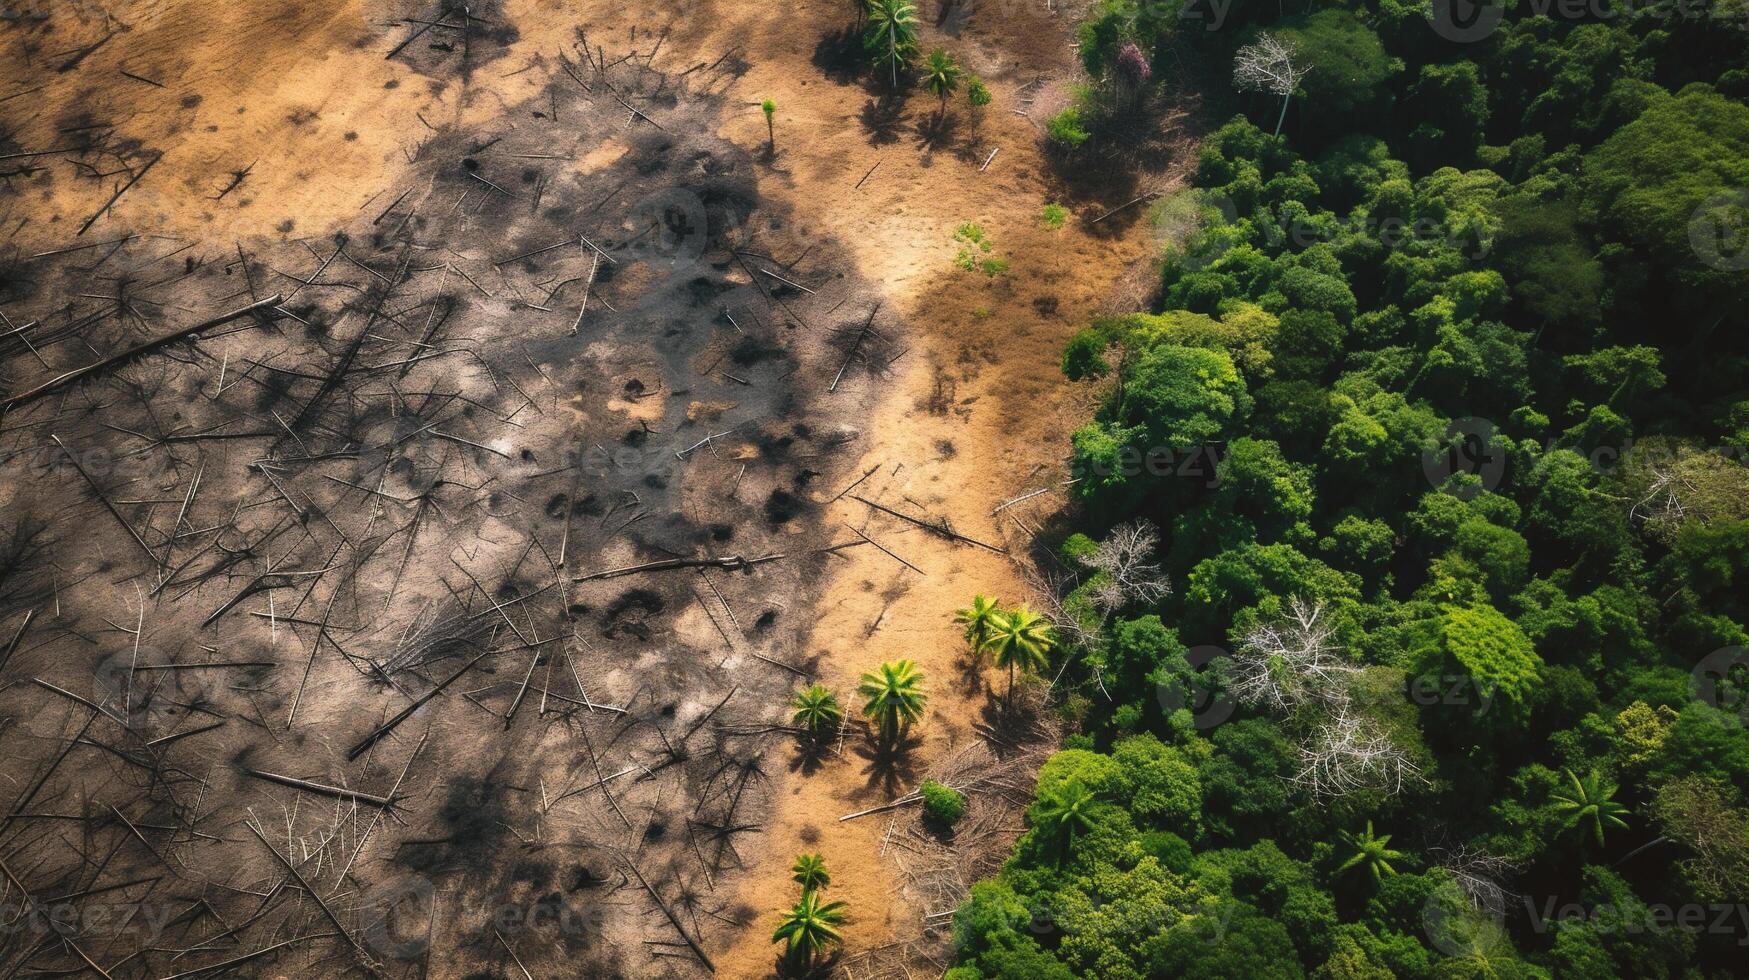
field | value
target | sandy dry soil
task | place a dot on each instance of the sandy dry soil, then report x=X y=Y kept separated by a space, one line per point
x=252 y=136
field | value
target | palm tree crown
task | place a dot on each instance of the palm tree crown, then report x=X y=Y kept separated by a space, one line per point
x=1589 y=803
x=891 y=35
x=895 y=696
x=979 y=620
x=816 y=709
x=941 y=75
x=810 y=872
x=1064 y=814
x=1372 y=852
x=1021 y=640
x=809 y=927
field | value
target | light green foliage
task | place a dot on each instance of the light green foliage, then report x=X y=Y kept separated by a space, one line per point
x=1488 y=648
x=941 y=75
x=977 y=93
x=816 y=709
x=975 y=248
x=942 y=804
x=810 y=872
x=895 y=697
x=1067 y=128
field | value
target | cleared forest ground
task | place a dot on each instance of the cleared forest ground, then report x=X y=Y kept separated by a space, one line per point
x=438 y=614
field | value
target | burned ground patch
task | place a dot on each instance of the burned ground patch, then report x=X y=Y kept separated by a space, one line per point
x=436 y=570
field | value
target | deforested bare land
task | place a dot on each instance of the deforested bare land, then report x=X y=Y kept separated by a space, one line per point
x=434 y=614
x=328 y=609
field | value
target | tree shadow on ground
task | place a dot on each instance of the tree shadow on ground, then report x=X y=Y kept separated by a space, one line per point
x=839 y=55
x=883 y=119
x=939 y=132
x=891 y=767
x=811 y=753
x=1008 y=724
x=971 y=671
x=792 y=968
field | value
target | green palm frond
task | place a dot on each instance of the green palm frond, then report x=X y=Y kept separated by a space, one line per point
x=890 y=36
x=1021 y=640
x=895 y=696
x=809 y=927
x=1589 y=805
x=979 y=620
x=816 y=709
x=810 y=872
x=1064 y=814
x=1371 y=851
x=941 y=74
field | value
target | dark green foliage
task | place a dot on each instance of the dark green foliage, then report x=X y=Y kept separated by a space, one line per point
x=1463 y=350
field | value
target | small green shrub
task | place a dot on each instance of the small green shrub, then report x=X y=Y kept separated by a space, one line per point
x=1066 y=128
x=975 y=248
x=942 y=804
x=1084 y=356
x=977 y=93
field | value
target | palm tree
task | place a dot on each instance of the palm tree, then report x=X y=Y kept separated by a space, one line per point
x=979 y=619
x=817 y=709
x=941 y=75
x=809 y=927
x=810 y=872
x=891 y=34
x=769 y=108
x=1063 y=814
x=895 y=697
x=1373 y=853
x=1589 y=803
x=1021 y=640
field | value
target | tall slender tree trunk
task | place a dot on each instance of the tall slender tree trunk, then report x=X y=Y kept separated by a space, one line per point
x=1283 y=117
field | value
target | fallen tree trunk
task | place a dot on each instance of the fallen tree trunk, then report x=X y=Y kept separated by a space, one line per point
x=733 y=562
x=92 y=370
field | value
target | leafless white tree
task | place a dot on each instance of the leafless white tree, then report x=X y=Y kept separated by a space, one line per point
x=1131 y=575
x=1478 y=874
x=1349 y=752
x=1283 y=665
x=1268 y=64
x=1663 y=498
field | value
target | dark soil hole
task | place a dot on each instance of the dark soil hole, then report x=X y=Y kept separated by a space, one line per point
x=631 y=612
x=752 y=350
x=782 y=506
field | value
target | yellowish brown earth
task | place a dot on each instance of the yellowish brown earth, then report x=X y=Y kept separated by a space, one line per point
x=975 y=412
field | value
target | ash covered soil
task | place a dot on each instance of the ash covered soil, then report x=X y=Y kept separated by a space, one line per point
x=329 y=646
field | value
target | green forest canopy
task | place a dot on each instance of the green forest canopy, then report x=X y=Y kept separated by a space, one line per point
x=1465 y=346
